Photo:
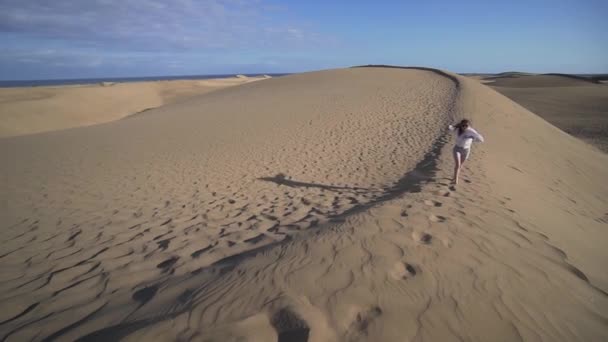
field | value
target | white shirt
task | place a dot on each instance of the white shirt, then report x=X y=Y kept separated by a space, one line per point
x=465 y=140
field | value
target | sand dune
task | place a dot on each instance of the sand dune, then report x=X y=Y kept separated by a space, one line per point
x=577 y=107
x=30 y=110
x=513 y=74
x=308 y=207
x=533 y=81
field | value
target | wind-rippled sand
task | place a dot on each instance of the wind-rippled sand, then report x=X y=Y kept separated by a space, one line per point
x=308 y=207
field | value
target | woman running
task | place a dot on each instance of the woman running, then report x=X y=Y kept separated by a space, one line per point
x=462 y=149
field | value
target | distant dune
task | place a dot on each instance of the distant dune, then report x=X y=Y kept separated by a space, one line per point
x=577 y=105
x=544 y=80
x=28 y=110
x=310 y=207
x=513 y=74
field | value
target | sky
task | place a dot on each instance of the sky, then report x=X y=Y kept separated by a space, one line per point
x=42 y=39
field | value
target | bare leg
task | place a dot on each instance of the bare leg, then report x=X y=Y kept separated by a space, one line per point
x=463 y=158
x=457 y=164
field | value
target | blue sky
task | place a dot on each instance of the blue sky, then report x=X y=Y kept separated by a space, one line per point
x=43 y=39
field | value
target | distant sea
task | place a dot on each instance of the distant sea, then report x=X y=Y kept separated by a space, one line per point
x=72 y=81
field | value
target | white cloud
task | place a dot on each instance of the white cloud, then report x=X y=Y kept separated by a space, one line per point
x=157 y=25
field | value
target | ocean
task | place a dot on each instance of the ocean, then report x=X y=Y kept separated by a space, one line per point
x=72 y=81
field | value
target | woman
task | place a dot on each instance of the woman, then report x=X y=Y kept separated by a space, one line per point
x=462 y=149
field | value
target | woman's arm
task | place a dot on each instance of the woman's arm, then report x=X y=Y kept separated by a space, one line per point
x=477 y=136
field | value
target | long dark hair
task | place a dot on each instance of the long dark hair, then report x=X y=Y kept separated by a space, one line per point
x=462 y=126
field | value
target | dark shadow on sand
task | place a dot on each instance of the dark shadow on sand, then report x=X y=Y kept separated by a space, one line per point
x=411 y=182
x=281 y=179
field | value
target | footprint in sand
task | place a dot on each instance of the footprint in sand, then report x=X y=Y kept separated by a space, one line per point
x=432 y=203
x=443 y=193
x=437 y=218
x=403 y=271
x=365 y=318
x=423 y=238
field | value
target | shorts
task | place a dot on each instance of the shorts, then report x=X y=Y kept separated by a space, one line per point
x=464 y=152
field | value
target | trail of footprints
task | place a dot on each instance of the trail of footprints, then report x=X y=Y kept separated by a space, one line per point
x=404 y=270
x=164 y=238
x=172 y=241
x=226 y=223
x=432 y=209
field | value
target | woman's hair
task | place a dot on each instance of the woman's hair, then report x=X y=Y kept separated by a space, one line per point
x=462 y=126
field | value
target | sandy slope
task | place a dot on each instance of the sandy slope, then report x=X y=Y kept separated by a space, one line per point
x=39 y=109
x=335 y=183
x=577 y=107
x=543 y=80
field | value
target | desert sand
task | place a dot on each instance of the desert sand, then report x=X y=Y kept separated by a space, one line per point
x=27 y=110
x=575 y=105
x=311 y=207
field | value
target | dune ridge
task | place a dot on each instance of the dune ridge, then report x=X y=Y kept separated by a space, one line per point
x=327 y=218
